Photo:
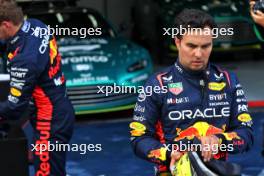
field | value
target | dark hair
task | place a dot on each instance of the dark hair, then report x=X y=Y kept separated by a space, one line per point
x=9 y=11
x=194 y=18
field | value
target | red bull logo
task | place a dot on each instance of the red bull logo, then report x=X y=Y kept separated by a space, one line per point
x=159 y=154
x=197 y=130
x=231 y=136
x=12 y=55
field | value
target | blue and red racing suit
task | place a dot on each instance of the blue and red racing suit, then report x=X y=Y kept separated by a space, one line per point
x=185 y=105
x=36 y=81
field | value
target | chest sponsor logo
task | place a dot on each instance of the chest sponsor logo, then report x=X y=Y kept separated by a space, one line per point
x=175 y=88
x=221 y=103
x=218 y=97
x=216 y=86
x=206 y=113
x=178 y=100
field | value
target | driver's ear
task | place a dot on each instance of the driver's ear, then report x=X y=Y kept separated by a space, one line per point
x=177 y=42
x=6 y=24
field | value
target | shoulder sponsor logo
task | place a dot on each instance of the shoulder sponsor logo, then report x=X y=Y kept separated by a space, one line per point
x=167 y=78
x=26 y=26
x=139 y=108
x=138 y=129
x=175 y=88
x=13 y=99
x=238 y=86
x=19 y=69
x=216 y=86
x=242 y=108
x=141 y=97
x=241 y=100
x=18 y=85
x=206 y=113
x=137 y=126
x=219 y=77
x=178 y=68
x=245 y=117
x=44 y=44
x=36 y=31
x=15 y=92
x=59 y=81
x=18 y=74
x=138 y=118
x=240 y=92
x=178 y=100
x=14 y=40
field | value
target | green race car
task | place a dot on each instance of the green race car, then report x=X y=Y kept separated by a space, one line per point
x=96 y=59
x=227 y=14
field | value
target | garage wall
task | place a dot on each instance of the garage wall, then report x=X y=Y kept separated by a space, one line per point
x=117 y=11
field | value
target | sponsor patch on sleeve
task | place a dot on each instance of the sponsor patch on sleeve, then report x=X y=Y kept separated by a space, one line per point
x=138 y=129
x=15 y=92
x=216 y=86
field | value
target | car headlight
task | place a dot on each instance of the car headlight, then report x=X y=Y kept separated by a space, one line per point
x=139 y=65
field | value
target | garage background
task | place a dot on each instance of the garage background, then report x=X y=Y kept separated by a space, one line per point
x=111 y=129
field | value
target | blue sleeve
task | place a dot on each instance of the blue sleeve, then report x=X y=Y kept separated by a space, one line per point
x=147 y=113
x=23 y=76
x=239 y=133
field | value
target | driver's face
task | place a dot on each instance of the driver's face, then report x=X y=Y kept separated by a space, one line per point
x=194 y=50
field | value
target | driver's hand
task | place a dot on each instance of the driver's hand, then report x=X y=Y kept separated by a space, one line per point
x=258 y=17
x=209 y=146
x=175 y=156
